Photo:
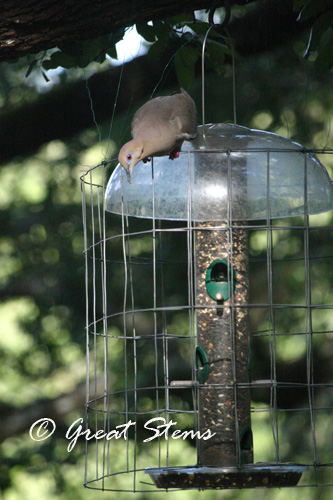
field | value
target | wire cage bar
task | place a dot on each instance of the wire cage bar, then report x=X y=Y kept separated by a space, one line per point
x=157 y=386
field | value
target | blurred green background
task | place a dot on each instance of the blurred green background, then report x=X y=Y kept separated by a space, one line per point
x=42 y=273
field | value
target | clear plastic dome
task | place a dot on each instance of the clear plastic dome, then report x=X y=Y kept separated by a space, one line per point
x=227 y=172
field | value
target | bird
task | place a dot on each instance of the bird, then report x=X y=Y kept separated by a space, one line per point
x=159 y=128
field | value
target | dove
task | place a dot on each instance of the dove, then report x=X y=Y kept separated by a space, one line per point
x=159 y=128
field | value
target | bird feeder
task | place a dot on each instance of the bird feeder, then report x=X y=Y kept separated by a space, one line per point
x=226 y=178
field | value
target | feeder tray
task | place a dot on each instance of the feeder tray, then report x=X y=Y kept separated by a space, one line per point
x=268 y=475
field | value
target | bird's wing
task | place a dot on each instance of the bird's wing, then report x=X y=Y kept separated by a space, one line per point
x=149 y=113
x=185 y=112
x=176 y=112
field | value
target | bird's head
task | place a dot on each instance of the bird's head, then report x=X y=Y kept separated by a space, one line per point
x=129 y=155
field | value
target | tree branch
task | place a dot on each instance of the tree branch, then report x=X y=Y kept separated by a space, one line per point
x=36 y=25
x=66 y=111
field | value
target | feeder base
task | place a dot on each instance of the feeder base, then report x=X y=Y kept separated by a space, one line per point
x=267 y=475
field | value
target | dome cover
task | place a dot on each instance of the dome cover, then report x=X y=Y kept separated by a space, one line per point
x=228 y=171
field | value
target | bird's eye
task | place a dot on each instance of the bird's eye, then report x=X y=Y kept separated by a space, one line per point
x=129 y=156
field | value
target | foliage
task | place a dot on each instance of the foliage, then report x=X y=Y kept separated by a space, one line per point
x=81 y=54
x=182 y=36
x=320 y=14
x=77 y=54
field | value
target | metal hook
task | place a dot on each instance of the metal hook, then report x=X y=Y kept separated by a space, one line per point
x=219 y=27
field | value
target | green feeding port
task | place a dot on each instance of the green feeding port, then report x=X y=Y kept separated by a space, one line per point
x=220 y=280
x=246 y=444
x=202 y=364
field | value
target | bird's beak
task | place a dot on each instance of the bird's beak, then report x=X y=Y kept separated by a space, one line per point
x=128 y=173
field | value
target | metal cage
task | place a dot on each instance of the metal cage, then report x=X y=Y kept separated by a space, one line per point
x=208 y=317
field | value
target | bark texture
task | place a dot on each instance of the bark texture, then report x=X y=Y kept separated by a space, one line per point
x=35 y=25
x=65 y=111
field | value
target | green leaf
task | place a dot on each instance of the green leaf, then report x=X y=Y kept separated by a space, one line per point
x=72 y=49
x=113 y=39
x=298 y=4
x=190 y=55
x=92 y=50
x=313 y=8
x=162 y=30
x=201 y=28
x=324 y=61
x=112 y=52
x=146 y=31
x=320 y=26
x=45 y=77
x=156 y=50
x=185 y=60
x=80 y=54
x=88 y=52
x=215 y=53
x=101 y=58
x=187 y=37
x=185 y=74
x=116 y=36
x=30 y=68
x=59 y=58
x=181 y=20
x=95 y=50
